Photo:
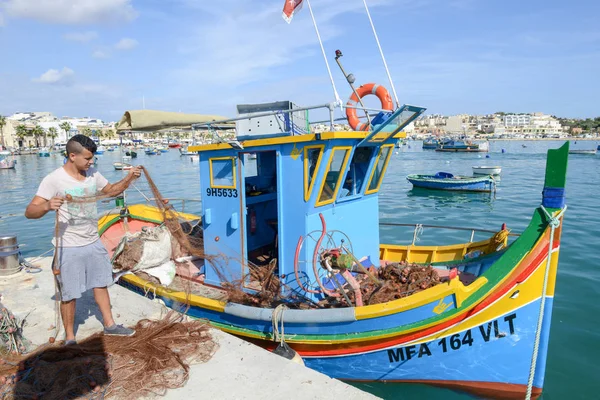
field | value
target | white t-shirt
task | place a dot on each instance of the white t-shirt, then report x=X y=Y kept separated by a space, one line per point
x=77 y=221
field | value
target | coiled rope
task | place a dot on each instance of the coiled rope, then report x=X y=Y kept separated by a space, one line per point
x=553 y=222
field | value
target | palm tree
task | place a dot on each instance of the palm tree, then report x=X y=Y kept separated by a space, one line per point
x=21 y=132
x=37 y=131
x=86 y=131
x=65 y=126
x=53 y=133
x=2 y=123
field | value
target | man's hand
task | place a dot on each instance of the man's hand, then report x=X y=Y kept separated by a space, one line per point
x=135 y=172
x=55 y=203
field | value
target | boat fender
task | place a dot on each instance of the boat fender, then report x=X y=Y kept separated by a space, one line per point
x=453 y=273
x=368 y=88
x=285 y=351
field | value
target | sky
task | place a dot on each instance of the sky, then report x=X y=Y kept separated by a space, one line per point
x=99 y=58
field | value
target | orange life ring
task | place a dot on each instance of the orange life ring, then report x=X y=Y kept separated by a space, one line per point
x=366 y=89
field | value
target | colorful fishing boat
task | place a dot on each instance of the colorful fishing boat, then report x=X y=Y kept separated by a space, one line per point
x=430 y=144
x=484 y=329
x=448 y=181
x=461 y=146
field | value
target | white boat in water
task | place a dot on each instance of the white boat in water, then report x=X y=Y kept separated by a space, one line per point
x=487 y=170
x=587 y=151
x=122 y=166
x=7 y=163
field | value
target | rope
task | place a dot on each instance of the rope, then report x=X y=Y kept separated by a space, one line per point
x=275 y=318
x=553 y=222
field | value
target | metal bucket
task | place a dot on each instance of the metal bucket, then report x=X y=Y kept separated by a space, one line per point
x=9 y=255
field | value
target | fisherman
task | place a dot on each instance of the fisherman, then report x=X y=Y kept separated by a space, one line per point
x=80 y=260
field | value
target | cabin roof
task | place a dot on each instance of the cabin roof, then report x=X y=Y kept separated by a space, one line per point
x=293 y=139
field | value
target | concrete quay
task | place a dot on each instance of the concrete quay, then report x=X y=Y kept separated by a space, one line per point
x=238 y=369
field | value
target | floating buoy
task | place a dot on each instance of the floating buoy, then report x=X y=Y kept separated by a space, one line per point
x=487 y=156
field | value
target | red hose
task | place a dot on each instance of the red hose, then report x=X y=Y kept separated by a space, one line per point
x=298 y=247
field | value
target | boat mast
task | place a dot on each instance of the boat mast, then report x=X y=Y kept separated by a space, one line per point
x=337 y=96
x=381 y=52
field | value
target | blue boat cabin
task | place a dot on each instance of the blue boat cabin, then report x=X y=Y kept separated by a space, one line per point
x=277 y=197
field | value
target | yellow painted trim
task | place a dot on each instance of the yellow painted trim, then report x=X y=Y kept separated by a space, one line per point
x=348 y=150
x=143 y=211
x=454 y=287
x=382 y=174
x=233 y=166
x=308 y=189
x=292 y=139
x=181 y=297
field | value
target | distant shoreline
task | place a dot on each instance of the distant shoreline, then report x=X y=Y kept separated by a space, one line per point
x=536 y=139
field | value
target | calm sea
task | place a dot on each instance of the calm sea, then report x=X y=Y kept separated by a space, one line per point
x=572 y=369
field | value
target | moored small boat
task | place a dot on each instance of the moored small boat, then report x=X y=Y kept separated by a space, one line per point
x=44 y=152
x=487 y=170
x=7 y=163
x=448 y=181
x=583 y=151
x=184 y=152
x=100 y=150
x=121 y=166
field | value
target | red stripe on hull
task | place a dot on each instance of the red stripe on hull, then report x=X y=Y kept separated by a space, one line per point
x=486 y=390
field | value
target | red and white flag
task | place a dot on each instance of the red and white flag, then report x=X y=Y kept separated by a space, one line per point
x=291 y=7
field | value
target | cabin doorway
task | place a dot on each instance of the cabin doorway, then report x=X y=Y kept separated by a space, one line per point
x=260 y=194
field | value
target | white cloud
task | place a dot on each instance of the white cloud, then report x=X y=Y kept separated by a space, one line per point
x=100 y=54
x=71 y=11
x=82 y=37
x=53 y=76
x=126 y=44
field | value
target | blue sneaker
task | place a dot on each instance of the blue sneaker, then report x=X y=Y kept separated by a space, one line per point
x=118 y=330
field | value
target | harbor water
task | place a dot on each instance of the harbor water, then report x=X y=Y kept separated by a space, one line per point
x=571 y=368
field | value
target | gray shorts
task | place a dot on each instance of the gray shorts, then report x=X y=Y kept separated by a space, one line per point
x=83 y=268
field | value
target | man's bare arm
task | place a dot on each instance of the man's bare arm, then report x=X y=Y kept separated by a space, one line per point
x=40 y=206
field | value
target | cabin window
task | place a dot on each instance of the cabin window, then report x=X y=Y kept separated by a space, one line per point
x=312 y=162
x=333 y=175
x=379 y=168
x=357 y=173
x=222 y=172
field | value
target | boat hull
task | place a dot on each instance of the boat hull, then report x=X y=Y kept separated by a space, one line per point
x=587 y=152
x=487 y=170
x=477 y=338
x=451 y=184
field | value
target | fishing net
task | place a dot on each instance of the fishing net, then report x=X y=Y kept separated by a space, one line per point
x=146 y=365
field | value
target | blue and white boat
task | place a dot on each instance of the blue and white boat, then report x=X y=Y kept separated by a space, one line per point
x=44 y=152
x=448 y=181
x=100 y=150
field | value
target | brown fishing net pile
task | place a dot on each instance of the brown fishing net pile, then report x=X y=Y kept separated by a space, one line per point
x=266 y=283
x=398 y=280
x=157 y=358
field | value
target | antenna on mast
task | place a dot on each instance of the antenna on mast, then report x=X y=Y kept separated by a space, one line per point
x=381 y=52
x=350 y=78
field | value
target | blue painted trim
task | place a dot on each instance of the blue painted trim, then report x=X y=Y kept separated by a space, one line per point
x=553 y=197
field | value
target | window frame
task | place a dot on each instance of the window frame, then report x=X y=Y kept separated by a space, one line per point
x=383 y=170
x=233 y=168
x=348 y=150
x=308 y=188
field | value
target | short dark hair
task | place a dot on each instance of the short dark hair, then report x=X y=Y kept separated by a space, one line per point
x=79 y=142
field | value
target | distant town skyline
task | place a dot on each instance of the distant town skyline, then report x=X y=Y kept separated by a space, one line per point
x=99 y=58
